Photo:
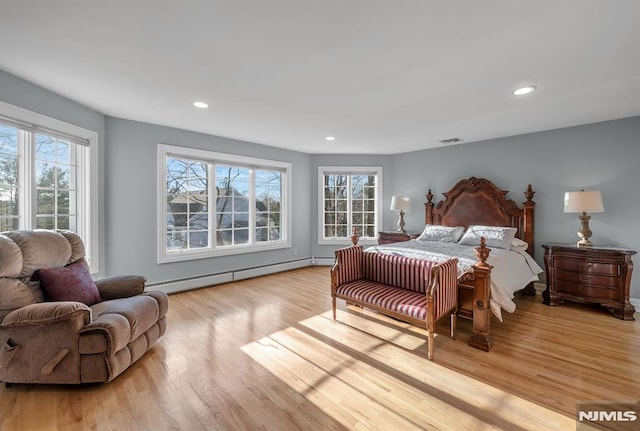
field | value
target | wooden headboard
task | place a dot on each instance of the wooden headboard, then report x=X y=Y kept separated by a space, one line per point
x=479 y=201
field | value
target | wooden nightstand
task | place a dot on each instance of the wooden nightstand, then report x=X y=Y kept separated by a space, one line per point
x=389 y=236
x=590 y=275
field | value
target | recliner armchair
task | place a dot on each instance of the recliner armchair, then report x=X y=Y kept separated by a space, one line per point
x=66 y=341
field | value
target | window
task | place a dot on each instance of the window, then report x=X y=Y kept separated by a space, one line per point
x=45 y=176
x=215 y=204
x=349 y=198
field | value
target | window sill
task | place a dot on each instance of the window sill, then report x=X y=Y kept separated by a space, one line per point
x=186 y=255
x=347 y=241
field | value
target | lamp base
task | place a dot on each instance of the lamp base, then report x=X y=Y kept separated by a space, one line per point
x=584 y=232
x=401 y=222
x=583 y=243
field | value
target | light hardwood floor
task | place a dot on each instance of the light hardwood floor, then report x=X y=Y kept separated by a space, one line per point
x=265 y=354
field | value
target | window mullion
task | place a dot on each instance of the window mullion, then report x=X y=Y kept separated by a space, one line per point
x=349 y=206
x=79 y=176
x=252 y=206
x=284 y=207
x=212 y=212
x=26 y=180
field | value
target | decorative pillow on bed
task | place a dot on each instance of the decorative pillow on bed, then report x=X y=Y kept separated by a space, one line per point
x=70 y=283
x=496 y=236
x=519 y=244
x=441 y=233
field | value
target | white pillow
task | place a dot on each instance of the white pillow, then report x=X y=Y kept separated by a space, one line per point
x=496 y=236
x=441 y=233
x=519 y=244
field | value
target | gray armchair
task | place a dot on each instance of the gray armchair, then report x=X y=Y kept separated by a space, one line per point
x=45 y=339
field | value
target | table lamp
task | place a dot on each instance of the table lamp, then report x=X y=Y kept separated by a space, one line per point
x=584 y=202
x=400 y=204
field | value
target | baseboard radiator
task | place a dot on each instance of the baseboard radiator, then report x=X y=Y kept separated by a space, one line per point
x=189 y=283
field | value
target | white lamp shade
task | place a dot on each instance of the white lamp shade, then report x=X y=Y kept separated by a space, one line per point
x=587 y=201
x=400 y=203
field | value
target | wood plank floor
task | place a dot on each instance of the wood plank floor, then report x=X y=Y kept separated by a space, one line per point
x=265 y=354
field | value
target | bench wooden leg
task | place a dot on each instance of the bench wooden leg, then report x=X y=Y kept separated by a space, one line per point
x=431 y=326
x=431 y=341
x=333 y=304
x=454 y=321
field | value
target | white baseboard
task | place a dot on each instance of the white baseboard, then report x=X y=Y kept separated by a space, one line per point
x=540 y=287
x=271 y=269
x=175 y=286
x=323 y=261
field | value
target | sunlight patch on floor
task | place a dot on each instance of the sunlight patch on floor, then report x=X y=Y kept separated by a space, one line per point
x=367 y=374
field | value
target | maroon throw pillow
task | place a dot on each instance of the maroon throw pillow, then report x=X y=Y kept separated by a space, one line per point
x=70 y=283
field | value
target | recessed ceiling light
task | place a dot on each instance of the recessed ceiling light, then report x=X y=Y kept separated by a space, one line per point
x=524 y=90
x=200 y=105
x=330 y=138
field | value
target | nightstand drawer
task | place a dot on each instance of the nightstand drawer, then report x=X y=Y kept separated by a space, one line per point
x=579 y=265
x=587 y=291
x=605 y=281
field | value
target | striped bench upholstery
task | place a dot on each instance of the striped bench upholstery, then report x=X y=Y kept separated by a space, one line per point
x=409 y=289
x=395 y=299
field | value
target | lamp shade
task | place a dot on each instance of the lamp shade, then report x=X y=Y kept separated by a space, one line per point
x=400 y=203
x=583 y=201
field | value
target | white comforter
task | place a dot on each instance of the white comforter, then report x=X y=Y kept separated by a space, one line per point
x=512 y=269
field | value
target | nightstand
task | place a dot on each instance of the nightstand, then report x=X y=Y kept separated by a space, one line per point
x=599 y=275
x=389 y=236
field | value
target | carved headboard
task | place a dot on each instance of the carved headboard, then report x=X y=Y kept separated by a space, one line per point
x=479 y=201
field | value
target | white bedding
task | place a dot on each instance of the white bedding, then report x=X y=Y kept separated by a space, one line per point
x=512 y=270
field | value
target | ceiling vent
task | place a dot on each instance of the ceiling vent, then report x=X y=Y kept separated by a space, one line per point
x=451 y=141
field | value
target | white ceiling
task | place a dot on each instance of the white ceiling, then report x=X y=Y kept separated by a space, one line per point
x=382 y=76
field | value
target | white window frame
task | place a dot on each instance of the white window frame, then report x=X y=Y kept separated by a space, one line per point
x=212 y=158
x=87 y=175
x=349 y=170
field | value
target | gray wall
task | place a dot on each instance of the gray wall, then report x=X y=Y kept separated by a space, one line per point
x=131 y=189
x=602 y=156
x=597 y=156
x=18 y=92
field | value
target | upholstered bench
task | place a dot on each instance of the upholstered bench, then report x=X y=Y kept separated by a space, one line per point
x=413 y=290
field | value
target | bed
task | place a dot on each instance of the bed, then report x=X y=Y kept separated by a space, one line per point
x=490 y=272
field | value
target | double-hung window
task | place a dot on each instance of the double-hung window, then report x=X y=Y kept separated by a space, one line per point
x=349 y=197
x=214 y=204
x=45 y=176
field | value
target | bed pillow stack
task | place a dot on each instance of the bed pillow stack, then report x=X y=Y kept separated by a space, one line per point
x=495 y=236
x=441 y=233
